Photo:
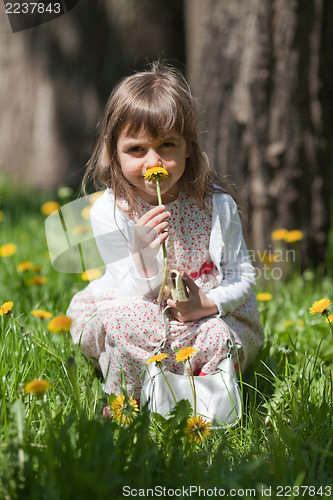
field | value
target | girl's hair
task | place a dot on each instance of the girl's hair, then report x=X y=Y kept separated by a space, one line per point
x=158 y=100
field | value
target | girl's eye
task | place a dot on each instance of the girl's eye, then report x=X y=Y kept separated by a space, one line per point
x=167 y=145
x=135 y=149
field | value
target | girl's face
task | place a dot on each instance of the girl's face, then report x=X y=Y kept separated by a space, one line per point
x=137 y=152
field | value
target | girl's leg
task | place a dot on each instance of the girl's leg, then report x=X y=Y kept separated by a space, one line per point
x=87 y=309
x=134 y=328
x=246 y=329
x=209 y=337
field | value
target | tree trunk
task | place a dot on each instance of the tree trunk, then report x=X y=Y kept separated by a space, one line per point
x=55 y=80
x=263 y=74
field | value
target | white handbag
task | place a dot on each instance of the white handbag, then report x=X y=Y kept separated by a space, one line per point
x=218 y=396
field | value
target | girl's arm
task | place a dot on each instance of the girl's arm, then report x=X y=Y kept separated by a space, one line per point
x=115 y=241
x=149 y=233
x=234 y=263
x=229 y=253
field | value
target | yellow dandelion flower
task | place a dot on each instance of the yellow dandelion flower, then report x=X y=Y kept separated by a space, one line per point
x=157 y=358
x=91 y=274
x=37 y=386
x=124 y=409
x=24 y=266
x=320 y=306
x=8 y=250
x=288 y=323
x=38 y=268
x=1 y=215
x=264 y=297
x=184 y=354
x=279 y=234
x=93 y=197
x=197 y=429
x=49 y=207
x=37 y=280
x=157 y=172
x=39 y=313
x=300 y=322
x=272 y=258
x=6 y=307
x=60 y=323
x=85 y=212
x=294 y=235
x=329 y=318
x=81 y=228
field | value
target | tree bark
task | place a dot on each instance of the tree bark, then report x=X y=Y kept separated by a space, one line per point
x=263 y=74
x=55 y=80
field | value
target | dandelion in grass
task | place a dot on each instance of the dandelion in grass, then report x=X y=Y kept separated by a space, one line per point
x=264 y=297
x=6 y=308
x=22 y=267
x=60 y=323
x=157 y=174
x=288 y=323
x=8 y=250
x=39 y=313
x=269 y=258
x=279 y=234
x=81 y=229
x=197 y=429
x=37 y=386
x=37 y=280
x=320 y=306
x=124 y=409
x=49 y=207
x=1 y=215
x=93 y=197
x=85 y=212
x=91 y=274
x=293 y=236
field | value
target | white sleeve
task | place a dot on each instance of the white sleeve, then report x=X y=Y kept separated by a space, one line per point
x=237 y=271
x=115 y=244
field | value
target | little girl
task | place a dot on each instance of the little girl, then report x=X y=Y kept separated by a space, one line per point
x=150 y=120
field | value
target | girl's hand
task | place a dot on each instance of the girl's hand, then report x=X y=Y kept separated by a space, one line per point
x=198 y=306
x=149 y=234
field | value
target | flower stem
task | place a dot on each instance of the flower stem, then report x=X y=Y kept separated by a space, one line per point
x=165 y=256
x=167 y=381
x=193 y=389
x=191 y=379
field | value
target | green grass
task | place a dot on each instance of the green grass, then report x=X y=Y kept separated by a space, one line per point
x=60 y=446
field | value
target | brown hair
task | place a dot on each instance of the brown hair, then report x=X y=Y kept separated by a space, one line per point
x=158 y=100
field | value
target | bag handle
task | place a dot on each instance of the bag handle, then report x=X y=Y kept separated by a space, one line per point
x=161 y=345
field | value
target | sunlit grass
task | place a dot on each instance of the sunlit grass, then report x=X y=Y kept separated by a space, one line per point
x=58 y=445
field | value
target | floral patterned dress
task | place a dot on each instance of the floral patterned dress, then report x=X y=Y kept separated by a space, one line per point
x=121 y=333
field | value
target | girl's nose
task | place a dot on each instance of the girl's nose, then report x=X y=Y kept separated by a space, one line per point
x=152 y=159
